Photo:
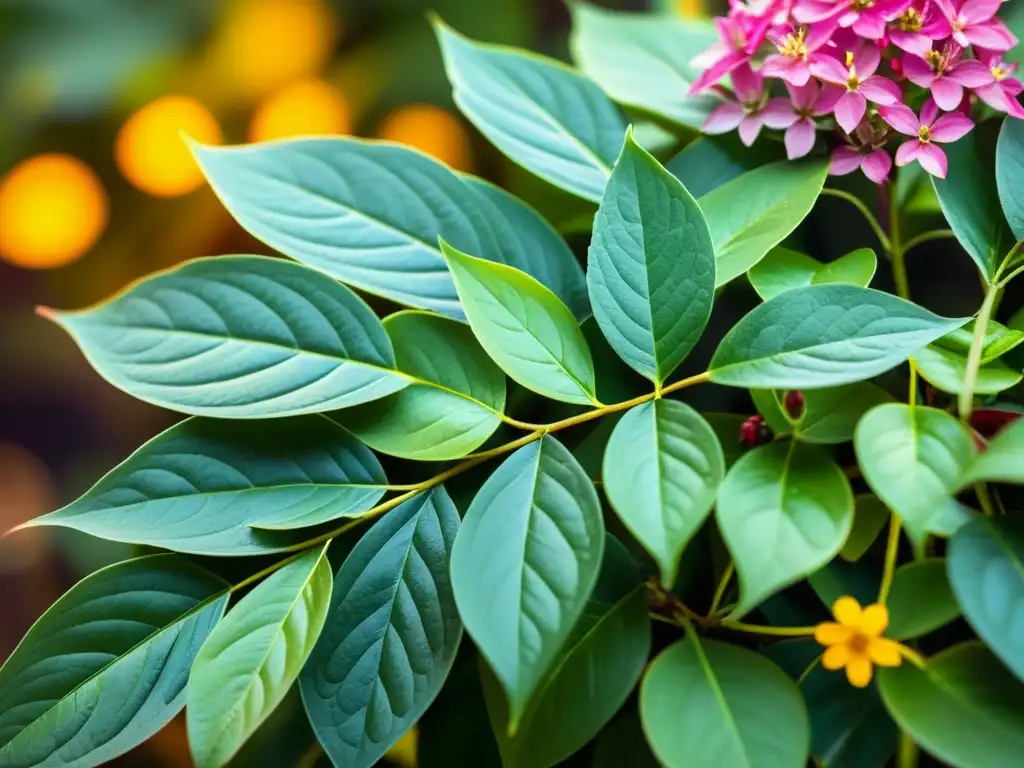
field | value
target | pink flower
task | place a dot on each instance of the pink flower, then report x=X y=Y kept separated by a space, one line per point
x=996 y=86
x=798 y=51
x=926 y=132
x=905 y=30
x=946 y=74
x=746 y=113
x=875 y=163
x=796 y=114
x=730 y=52
x=861 y=83
x=866 y=17
x=972 y=23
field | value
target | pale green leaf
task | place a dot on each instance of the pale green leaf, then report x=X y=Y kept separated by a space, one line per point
x=525 y=329
x=920 y=600
x=251 y=659
x=662 y=469
x=520 y=599
x=869 y=518
x=651 y=267
x=106 y=666
x=455 y=401
x=708 y=704
x=783 y=269
x=784 y=510
x=997 y=342
x=946 y=370
x=829 y=415
x=824 y=336
x=1000 y=462
x=391 y=634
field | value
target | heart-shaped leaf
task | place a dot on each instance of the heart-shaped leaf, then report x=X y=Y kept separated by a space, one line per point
x=391 y=633
x=521 y=600
x=824 y=336
x=250 y=660
x=370 y=214
x=208 y=487
x=784 y=510
x=454 y=404
x=718 y=706
x=986 y=568
x=543 y=115
x=920 y=600
x=651 y=267
x=782 y=270
x=240 y=337
x=756 y=211
x=77 y=692
x=525 y=329
x=662 y=469
x=912 y=459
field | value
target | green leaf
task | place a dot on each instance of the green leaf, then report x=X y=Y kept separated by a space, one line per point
x=986 y=568
x=454 y=404
x=643 y=60
x=251 y=659
x=970 y=203
x=869 y=518
x=238 y=337
x=456 y=729
x=651 y=267
x=662 y=470
x=623 y=743
x=391 y=633
x=997 y=342
x=718 y=706
x=784 y=510
x=912 y=458
x=829 y=416
x=946 y=370
x=963 y=707
x=572 y=704
x=726 y=427
x=521 y=599
x=782 y=270
x=711 y=161
x=1009 y=167
x=105 y=667
x=543 y=115
x=1000 y=462
x=369 y=214
x=756 y=211
x=207 y=487
x=920 y=600
x=849 y=726
x=824 y=336
x=525 y=329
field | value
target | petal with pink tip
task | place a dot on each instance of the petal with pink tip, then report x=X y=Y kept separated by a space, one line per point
x=830 y=70
x=947 y=94
x=803 y=97
x=811 y=11
x=877 y=165
x=881 y=90
x=800 y=138
x=933 y=160
x=913 y=43
x=747 y=83
x=947 y=8
x=713 y=74
x=907 y=152
x=869 y=26
x=929 y=111
x=725 y=118
x=971 y=74
x=951 y=127
x=850 y=110
x=844 y=160
x=994 y=35
x=902 y=118
x=778 y=114
x=750 y=127
x=821 y=33
x=866 y=59
x=792 y=70
x=978 y=11
x=918 y=71
x=825 y=104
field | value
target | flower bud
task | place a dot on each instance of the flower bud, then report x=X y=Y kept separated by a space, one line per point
x=794 y=404
x=754 y=432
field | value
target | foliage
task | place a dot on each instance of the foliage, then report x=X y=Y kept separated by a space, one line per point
x=535 y=450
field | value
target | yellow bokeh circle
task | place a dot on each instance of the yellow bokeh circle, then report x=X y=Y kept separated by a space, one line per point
x=53 y=208
x=304 y=108
x=432 y=130
x=150 y=149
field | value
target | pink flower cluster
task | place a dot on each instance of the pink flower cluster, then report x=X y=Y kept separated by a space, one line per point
x=858 y=63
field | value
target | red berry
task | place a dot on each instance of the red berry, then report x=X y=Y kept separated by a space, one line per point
x=754 y=432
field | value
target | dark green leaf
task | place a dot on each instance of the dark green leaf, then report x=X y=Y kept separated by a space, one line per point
x=1009 y=171
x=106 y=666
x=869 y=518
x=711 y=161
x=623 y=743
x=525 y=562
x=1000 y=462
x=920 y=600
x=391 y=634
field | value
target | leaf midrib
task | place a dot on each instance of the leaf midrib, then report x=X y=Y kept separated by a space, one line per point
x=719 y=694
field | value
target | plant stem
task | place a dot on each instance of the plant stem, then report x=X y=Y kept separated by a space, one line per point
x=896 y=250
x=722 y=585
x=756 y=629
x=883 y=239
x=907 y=755
x=966 y=401
x=927 y=237
x=981 y=490
x=892 y=549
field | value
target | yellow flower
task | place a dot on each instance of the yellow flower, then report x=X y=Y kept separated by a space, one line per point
x=856 y=641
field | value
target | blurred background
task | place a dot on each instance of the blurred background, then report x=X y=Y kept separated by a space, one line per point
x=97 y=189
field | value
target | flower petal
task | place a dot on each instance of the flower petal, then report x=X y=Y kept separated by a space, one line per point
x=778 y=113
x=902 y=118
x=874 y=619
x=951 y=127
x=918 y=71
x=912 y=42
x=877 y=165
x=725 y=118
x=947 y=93
x=997 y=97
x=800 y=138
x=907 y=152
x=847 y=611
x=858 y=671
x=750 y=127
x=836 y=657
x=810 y=11
x=803 y=97
x=825 y=104
x=977 y=11
x=869 y=26
x=929 y=111
x=881 y=90
x=994 y=36
x=933 y=160
x=845 y=160
x=850 y=110
x=717 y=71
x=747 y=83
x=972 y=74
x=885 y=652
x=830 y=633
x=830 y=70
x=866 y=58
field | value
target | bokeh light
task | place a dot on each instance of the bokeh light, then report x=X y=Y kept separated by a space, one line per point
x=690 y=9
x=265 y=44
x=304 y=108
x=53 y=208
x=151 y=152
x=432 y=130
x=27 y=490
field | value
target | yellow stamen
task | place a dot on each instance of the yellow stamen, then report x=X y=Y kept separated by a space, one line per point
x=924 y=133
x=794 y=45
x=999 y=72
x=910 y=20
x=934 y=59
